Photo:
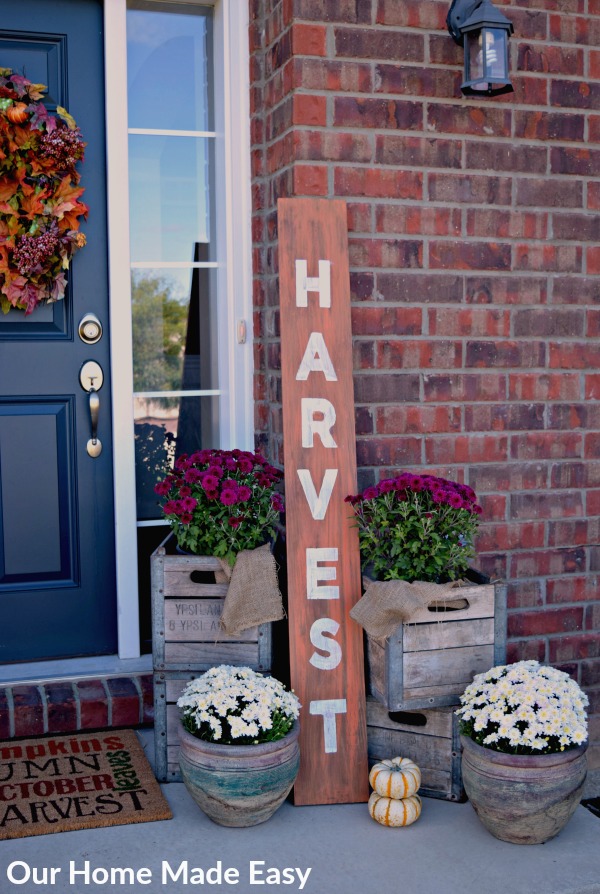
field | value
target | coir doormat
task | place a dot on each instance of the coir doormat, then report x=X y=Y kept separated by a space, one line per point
x=83 y=781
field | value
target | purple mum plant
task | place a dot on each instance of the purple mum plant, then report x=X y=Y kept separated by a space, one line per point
x=220 y=502
x=416 y=527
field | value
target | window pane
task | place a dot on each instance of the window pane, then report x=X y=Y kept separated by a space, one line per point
x=169 y=58
x=174 y=330
x=165 y=428
x=169 y=196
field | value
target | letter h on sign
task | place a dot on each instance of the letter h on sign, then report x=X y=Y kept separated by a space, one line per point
x=324 y=580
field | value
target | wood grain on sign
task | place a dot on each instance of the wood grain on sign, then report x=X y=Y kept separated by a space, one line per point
x=324 y=581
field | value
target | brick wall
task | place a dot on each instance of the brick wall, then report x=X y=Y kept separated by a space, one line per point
x=474 y=229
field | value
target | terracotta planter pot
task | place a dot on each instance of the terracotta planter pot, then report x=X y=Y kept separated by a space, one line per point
x=524 y=799
x=239 y=785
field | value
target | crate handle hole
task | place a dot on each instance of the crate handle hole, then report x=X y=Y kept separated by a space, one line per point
x=408 y=718
x=448 y=605
x=202 y=577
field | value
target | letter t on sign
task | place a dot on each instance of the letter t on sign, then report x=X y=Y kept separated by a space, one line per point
x=326 y=646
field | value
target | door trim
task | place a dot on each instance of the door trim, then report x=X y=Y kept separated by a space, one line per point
x=234 y=278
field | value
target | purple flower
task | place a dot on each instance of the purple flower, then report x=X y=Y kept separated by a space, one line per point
x=192 y=476
x=162 y=488
x=244 y=493
x=189 y=504
x=209 y=482
x=234 y=522
x=228 y=496
x=277 y=503
x=370 y=493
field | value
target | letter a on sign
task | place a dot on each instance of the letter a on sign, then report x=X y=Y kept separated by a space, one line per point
x=326 y=645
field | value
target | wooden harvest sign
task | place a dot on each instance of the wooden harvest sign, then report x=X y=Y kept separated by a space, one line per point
x=326 y=646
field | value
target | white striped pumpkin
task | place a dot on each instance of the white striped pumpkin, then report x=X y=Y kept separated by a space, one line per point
x=394 y=811
x=396 y=778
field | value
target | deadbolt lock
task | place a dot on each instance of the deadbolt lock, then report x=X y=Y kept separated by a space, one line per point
x=90 y=329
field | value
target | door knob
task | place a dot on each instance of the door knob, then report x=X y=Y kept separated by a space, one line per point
x=91 y=379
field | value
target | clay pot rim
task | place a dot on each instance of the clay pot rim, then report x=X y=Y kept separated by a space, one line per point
x=217 y=750
x=524 y=760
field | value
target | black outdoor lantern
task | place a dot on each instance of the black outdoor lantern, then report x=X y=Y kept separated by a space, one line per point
x=484 y=32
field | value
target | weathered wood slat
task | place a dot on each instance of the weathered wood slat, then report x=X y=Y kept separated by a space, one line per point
x=198 y=619
x=208 y=654
x=437 y=723
x=476 y=632
x=452 y=666
x=179 y=583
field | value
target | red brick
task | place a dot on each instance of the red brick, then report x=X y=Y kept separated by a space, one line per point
x=544 y=386
x=574 y=355
x=573 y=648
x=433 y=288
x=494 y=507
x=472 y=189
x=359 y=217
x=458 y=387
x=334 y=10
x=590 y=673
x=507 y=224
x=310 y=180
x=511 y=536
x=508 y=157
x=593 y=261
x=417 y=220
x=368 y=320
x=28 y=711
x=125 y=701
x=468 y=120
x=341 y=77
x=4 y=715
x=592 y=445
x=564 y=620
x=371 y=43
x=546 y=445
x=570 y=533
x=417 y=420
x=387 y=253
x=62 y=707
x=508 y=476
x=552 y=504
x=422 y=152
x=524 y=594
x=363 y=421
x=592 y=386
x=469 y=255
x=431 y=16
x=429 y=354
x=503 y=417
x=388 y=451
x=579 y=161
x=541 y=563
x=309 y=40
x=571 y=475
x=377 y=113
x=549 y=193
x=310 y=110
x=559 y=258
x=320 y=145
x=593 y=502
x=538 y=125
x=93 y=704
x=592 y=329
x=506 y=290
x=416 y=80
x=386 y=388
x=492 y=354
x=544 y=58
x=579 y=94
x=547 y=322
x=526 y=650
x=575 y=290
x=482 y=321
x=466 y=449
x=378 y=182
x=573 y=589
x=361 y=286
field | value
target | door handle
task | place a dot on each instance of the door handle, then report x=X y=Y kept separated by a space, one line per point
x=94 y=445
x=91 y=379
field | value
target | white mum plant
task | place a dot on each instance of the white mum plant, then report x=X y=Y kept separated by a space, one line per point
x=237 y=706
x=524 y=708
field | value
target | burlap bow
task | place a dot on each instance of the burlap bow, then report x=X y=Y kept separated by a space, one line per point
x=386 y=604
x=253 y=596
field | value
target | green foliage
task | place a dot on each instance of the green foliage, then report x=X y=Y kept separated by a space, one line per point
x=416 y=527
x=159 y=321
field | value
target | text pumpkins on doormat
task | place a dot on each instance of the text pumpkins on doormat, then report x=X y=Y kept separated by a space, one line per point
x=83 y=781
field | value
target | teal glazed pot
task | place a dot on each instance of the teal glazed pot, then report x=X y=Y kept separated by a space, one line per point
x=239 y=785
x=524 y=799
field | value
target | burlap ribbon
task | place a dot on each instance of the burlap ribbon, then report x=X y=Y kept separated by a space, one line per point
x=386 y=604
x=253 y=596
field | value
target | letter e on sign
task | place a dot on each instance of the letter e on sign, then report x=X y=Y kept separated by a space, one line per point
x=324 y=581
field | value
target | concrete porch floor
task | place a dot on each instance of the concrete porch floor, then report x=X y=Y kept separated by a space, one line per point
x=447 y=851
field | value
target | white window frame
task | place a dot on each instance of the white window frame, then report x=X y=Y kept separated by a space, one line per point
x=234 y=278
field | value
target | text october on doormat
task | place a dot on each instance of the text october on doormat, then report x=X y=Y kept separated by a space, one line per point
x=61 y=783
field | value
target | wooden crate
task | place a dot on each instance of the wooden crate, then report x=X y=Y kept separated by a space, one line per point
x=428 y=662
x=188 y=593
x=430 y=738
x=168 y=686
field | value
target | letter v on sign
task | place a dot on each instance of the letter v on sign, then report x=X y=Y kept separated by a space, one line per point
x=326 y=646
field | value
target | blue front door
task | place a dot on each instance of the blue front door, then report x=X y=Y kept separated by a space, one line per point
x=57 y=570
